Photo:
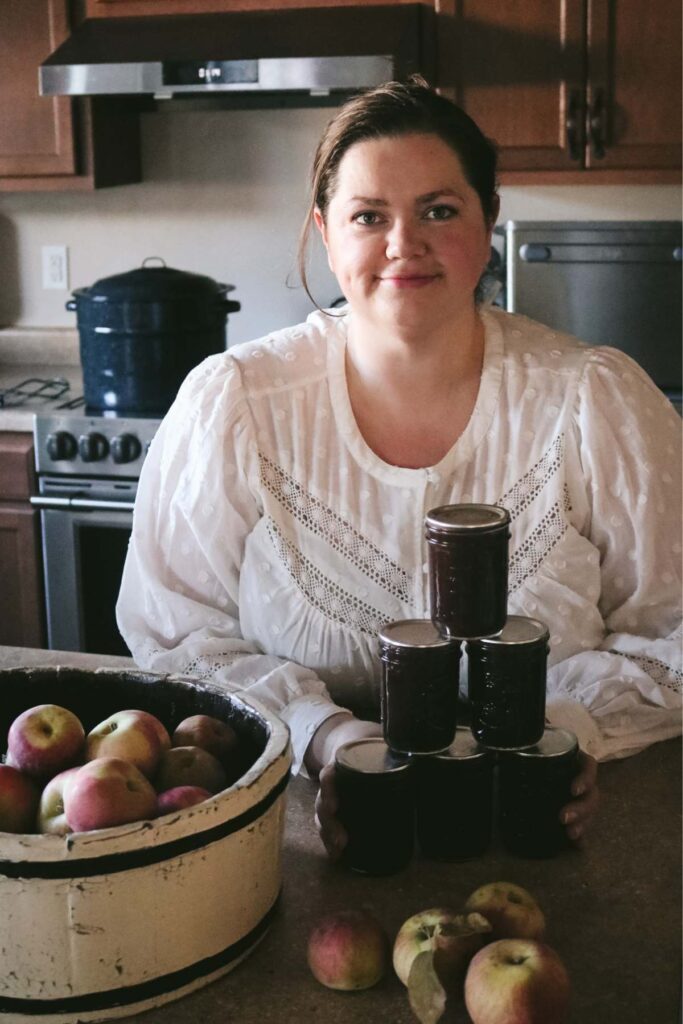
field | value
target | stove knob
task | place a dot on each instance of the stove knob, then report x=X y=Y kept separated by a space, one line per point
x=93 y=447
x=61 y=445
x=125 y=448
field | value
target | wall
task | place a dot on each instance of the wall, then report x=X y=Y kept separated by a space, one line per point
x=224 y=194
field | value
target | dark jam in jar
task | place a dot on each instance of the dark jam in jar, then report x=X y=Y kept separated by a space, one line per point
x=454 y=800
x=420 y=678
x=376 y=794
x=533 y=787
x=506 y=683
x=468 y=569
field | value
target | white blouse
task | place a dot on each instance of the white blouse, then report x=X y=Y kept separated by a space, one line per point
x=270 y=543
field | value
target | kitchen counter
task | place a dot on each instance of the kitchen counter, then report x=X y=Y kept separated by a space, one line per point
x=612 y=909
x=47 y=353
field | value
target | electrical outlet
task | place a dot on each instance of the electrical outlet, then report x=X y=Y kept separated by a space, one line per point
x=55 y=267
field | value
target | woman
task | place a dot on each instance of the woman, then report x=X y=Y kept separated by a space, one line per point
x=279 y=521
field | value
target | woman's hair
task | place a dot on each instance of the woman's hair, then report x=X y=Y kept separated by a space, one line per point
x=391 y=110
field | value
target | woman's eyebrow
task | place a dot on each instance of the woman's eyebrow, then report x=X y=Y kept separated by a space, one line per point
x=431 y=196
x=368 y=200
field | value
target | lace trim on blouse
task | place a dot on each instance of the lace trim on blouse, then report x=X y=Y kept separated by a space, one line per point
x=328 y=597
x=660 y=673
x=526 y=559
x=335 y=531
x=523 y=493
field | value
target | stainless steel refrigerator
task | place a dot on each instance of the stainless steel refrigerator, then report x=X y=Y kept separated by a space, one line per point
x=608 y=283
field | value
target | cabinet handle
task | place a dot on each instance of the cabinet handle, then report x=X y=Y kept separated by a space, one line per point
x=571 y=124
x=597 y=124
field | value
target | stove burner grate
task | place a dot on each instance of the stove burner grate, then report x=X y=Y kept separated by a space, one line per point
x=33 y=389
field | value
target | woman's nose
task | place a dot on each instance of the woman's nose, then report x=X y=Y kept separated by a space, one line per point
x=405 y=240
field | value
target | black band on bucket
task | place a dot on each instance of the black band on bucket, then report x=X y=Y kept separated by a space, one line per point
x=109 y=864
x=94 y=1001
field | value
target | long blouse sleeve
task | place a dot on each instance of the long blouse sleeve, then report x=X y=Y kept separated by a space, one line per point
x=178 y=608
x=624 y=695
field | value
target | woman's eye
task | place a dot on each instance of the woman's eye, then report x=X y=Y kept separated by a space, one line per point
x=441 y=212
x=366 y=218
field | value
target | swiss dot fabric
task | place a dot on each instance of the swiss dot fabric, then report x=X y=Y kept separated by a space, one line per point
x=270 y=543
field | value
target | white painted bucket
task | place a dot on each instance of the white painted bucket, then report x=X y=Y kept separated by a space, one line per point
x=105 y=924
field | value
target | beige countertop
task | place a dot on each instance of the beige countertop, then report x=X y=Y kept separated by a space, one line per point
x=612 y=909
x=47 y=353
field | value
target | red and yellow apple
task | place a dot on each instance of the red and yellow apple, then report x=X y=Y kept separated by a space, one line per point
x=209 y=733
x=348 y=950
x=44 y=740
x=132 y=735
x=517 y=981
x=179 y=797
x=18 y=800
x=51 y=818
x=190 y=766
x=105 y=792
x=453 y=938
x=512 y=911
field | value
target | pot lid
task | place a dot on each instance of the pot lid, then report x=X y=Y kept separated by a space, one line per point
x=154 y=283
x=464 y=518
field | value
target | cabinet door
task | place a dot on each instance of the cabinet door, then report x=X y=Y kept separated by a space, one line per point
x=519 y=71
x=634 y=84
x=21 y=593
x=146 y=8
x=36 y=132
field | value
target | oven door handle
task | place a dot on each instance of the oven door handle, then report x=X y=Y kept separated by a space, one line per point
x=82 y=504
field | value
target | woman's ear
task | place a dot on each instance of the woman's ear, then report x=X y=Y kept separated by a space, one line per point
x=320 y=224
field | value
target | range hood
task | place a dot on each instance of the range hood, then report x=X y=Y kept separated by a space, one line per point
x=313 y=51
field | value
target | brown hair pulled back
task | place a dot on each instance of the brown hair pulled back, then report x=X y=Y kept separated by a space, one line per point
x=391 y=110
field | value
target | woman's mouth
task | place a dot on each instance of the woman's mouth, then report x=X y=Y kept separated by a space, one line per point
x=409 y=280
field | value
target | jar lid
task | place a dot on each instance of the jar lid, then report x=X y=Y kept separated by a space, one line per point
x=553 y=743
x=413 y=633
x=463 y=748
x=370 y=756
x=518 y=631
x=154 y=284
x=464 y=518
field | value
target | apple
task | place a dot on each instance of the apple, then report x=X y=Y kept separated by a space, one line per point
x=517 y=981
x=18 y=800
x=179 y=797
x=44 y=740
x=51 y=818
x=135 y=736
x=190 y=766
x=105 y=792
x=348 y=950
x=453 y=938
x=209 y=733
x=512 y=911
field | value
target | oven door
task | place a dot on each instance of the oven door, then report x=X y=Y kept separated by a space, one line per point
x=83 y=554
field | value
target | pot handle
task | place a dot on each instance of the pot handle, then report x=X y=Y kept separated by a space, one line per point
x=71 y=305
x=230 y=306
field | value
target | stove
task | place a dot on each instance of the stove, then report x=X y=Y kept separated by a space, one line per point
x=72 y=444
x=88 y=469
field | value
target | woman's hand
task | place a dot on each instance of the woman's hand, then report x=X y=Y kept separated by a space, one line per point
x=330 y=736
x=577 y=814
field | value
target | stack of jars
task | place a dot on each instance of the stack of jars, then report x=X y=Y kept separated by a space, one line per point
x=450 y=786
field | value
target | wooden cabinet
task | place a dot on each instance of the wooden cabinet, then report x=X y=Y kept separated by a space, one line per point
x=22 y=617
x=584 y=90
x=54 y=142
x=145 y=8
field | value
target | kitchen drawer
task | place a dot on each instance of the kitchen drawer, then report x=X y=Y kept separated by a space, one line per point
x=17 y=474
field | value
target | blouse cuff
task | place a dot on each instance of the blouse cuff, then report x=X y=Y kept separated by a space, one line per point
x=569 y=714
x=303 y=716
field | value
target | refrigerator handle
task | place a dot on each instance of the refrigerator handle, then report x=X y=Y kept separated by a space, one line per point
x=571 y=124
x=597 y=124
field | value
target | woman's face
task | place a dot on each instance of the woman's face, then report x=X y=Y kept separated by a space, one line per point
x=405 y=233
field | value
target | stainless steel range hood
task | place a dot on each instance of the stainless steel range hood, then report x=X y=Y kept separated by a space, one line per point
x=323 y=50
